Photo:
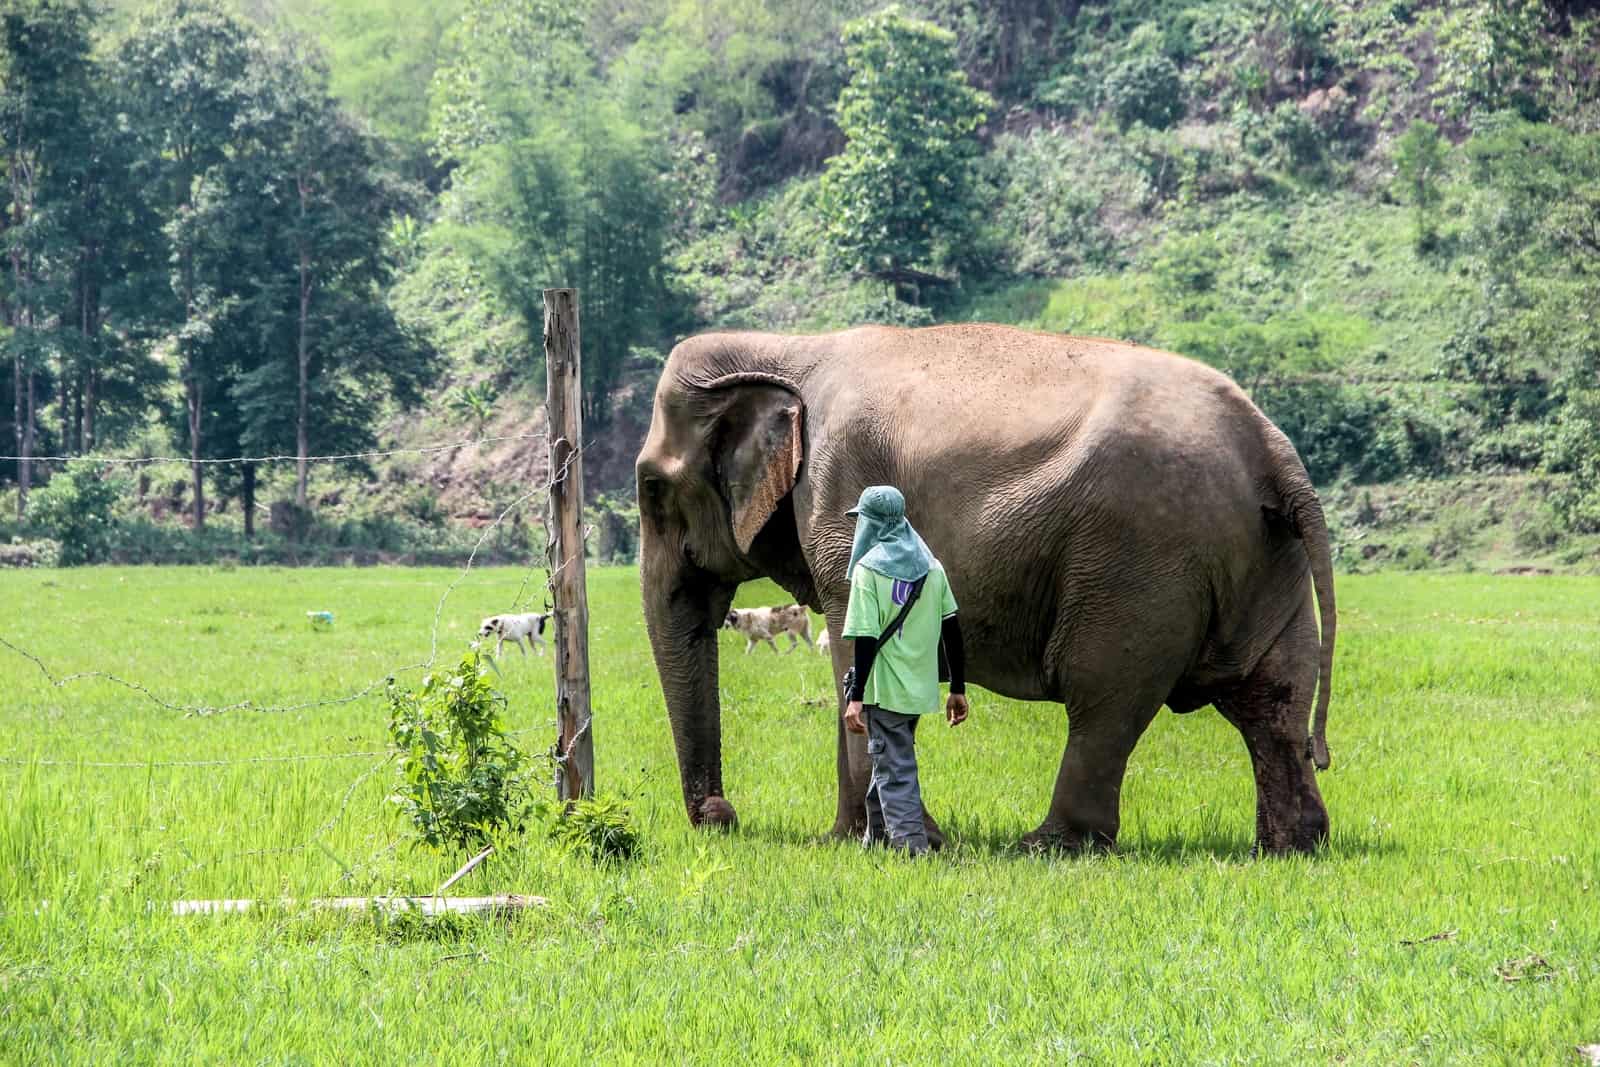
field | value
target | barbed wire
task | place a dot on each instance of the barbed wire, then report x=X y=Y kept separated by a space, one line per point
x=238 y=761
x=8 y=761
x=355 y=868
x=420 y=450
x=60 y=681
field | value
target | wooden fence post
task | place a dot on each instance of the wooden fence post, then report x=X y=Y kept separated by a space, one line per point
x=564 y=402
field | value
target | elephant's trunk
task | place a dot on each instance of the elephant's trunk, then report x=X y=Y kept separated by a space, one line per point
x=682 y=613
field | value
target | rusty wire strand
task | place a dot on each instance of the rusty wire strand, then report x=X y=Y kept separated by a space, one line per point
x=61 y=681
x=141 y=461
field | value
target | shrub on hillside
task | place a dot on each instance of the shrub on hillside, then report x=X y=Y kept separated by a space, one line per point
x=1052 y=192
x=1292 y=139
x=75 y=510
x=1147 y=90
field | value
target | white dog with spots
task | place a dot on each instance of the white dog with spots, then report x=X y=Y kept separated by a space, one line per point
x=515 y=628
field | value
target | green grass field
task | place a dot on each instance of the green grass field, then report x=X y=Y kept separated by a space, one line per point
x=1466 y=746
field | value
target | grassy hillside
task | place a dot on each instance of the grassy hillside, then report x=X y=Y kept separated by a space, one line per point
x=1378 y=216
x=1266 y=215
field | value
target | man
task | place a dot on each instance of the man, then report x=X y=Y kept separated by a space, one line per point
x=896 y=675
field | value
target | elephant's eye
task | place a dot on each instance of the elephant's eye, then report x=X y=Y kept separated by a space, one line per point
x=653 y=497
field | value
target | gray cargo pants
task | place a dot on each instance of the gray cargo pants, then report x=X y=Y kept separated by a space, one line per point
x=894 y=799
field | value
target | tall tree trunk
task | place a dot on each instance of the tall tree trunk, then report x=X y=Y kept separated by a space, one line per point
x=301 y=435
x=193 y=398
x=193 y=391
x=248 y=494
x=19 y=412
x=89 y=381
x=16 y=424
x=64 y=399
x=24 y=482
x=87 y=373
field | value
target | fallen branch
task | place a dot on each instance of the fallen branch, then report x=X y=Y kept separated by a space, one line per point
x=462 y=873
x=1442 y=935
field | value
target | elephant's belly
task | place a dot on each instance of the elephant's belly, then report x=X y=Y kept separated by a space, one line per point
x=1009 y=685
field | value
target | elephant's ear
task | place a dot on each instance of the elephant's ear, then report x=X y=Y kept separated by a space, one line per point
x=758 y=452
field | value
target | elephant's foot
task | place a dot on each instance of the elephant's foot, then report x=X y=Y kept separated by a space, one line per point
x=1050 y=837
x=1296 y=826
x=855 y=829
x=848 y=829
x=714 y=813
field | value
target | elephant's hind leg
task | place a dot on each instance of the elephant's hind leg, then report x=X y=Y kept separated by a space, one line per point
x=1271 y=708
x=1086 y=806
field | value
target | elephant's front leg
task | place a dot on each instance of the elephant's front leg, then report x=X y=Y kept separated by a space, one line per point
x=855 y=770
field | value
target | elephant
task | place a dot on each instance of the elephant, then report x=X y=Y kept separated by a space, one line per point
x=1123 y=527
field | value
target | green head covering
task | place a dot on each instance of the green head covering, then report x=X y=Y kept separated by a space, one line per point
x=885 y=541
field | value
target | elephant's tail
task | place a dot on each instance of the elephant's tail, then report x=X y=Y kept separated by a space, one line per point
x=1305 y=511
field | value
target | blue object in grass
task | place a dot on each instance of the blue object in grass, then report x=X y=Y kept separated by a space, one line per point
x=320 y=620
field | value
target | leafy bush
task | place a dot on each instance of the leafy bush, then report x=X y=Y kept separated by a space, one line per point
x=1293 y=139
x=20 y=553
x=902 y=184
x=461 y=779
x=75 y=510
x=1420 y=159
x=1052 y=192
x=421 y=504
x=600 y=828
x=1145 y=89
x=1305 y=26
x=1541 y=531
x=1336 y=429
x=1455 y=533
x=473 y=403
x=618 y=524
x=1186 y=270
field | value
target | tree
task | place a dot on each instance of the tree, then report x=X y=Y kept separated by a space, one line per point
x=333 y=216
x=182 y=70
x=1534 y=345
x=293 y=232
x=902 y=184
x=1420 y=161
x=382 y=56
x=116 y=270
x=557 y=186
x=44 y=77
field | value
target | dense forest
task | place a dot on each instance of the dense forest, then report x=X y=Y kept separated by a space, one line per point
x=303 y=227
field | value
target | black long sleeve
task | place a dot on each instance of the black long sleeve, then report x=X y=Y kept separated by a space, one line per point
x=866 y=652
x=955 y=654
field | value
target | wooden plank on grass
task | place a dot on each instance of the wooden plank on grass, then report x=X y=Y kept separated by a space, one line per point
x=502 y=904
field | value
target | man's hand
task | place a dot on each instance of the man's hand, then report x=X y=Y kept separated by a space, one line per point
x=955 y=709
x=852 y=718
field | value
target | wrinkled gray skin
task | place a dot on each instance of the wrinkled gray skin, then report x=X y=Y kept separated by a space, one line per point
x=1122 y=527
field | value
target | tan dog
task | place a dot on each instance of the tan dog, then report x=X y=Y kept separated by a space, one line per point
x=763 y=624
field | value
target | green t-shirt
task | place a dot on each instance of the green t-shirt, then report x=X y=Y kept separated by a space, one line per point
x=905 y=676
